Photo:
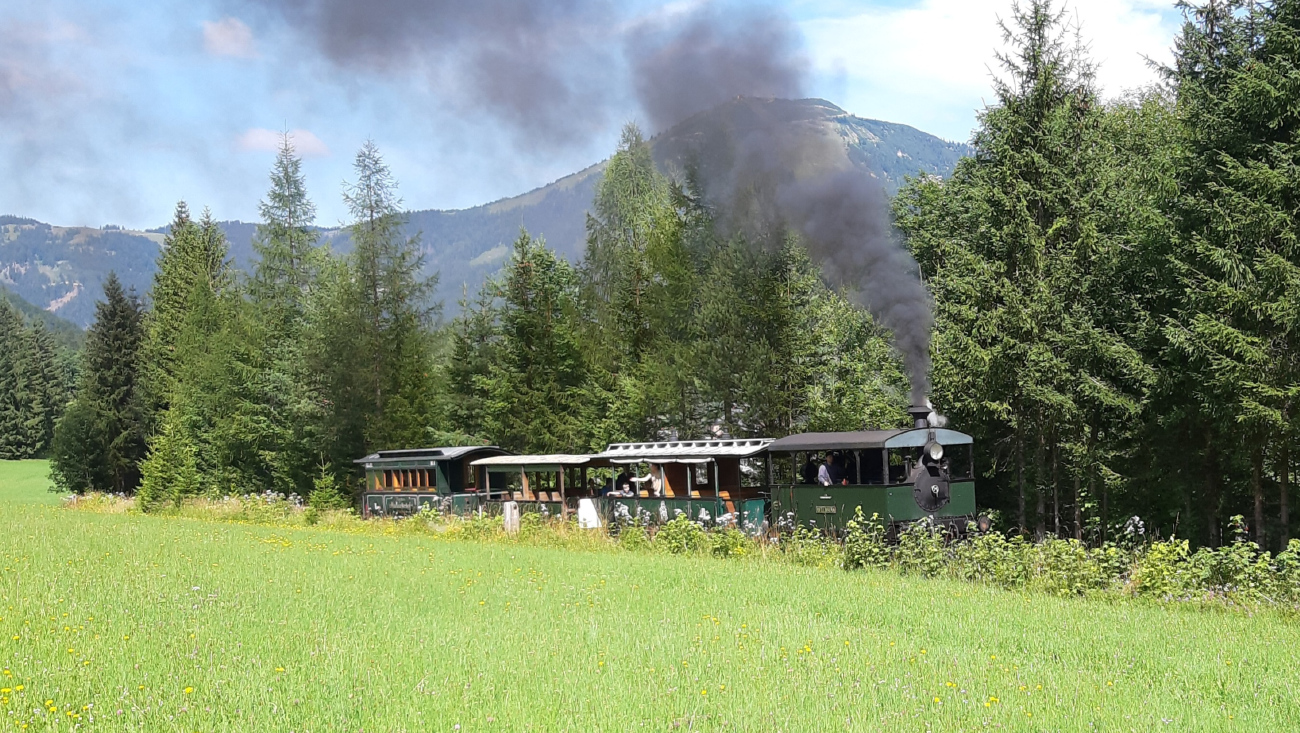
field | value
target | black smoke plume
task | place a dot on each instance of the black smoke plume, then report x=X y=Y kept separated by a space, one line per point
x=542 y=67
x=683 y=64
x=547 y=70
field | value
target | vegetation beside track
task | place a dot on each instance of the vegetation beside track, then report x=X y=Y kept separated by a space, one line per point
x=202 y=625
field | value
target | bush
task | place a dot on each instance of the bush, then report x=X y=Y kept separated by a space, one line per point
x=730 y=542
x=922 y=549
x=681 y=536
x=1162 y=570
x=809 y=547
x=634 y=538
x=864 y=543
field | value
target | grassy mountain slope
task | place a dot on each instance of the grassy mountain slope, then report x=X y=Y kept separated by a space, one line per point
x=62 y=269
x=65 y=333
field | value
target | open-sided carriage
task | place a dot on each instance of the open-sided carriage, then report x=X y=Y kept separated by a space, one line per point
x=699 y=478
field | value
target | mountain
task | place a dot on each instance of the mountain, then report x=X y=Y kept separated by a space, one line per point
x=65 y=334
x=62 y=268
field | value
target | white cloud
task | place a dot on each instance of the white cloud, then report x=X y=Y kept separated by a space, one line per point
x=262 y=140
x=228 y=37
x=930 y=64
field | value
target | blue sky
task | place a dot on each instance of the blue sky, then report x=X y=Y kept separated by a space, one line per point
x=112 y=110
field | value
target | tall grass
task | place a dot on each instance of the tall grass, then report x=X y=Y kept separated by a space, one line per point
x=126 y=621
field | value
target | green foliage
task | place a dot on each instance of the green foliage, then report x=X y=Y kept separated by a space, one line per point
x=169 y=473
x=325 y=491
x=99 y=443
x=864 y=542
x=682 y=536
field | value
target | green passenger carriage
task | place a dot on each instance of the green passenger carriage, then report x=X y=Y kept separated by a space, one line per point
x=399 y=482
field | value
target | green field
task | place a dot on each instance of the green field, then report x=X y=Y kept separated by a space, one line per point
x=117 y=622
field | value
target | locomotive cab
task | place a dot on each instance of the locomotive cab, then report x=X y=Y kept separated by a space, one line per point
x=900 y=475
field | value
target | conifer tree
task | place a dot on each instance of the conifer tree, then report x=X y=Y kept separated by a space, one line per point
x=390 y=302
x=22 y=398
x=276 y=399
x=1232 y=344
x=1032 y=354
x=100 y=441
x=534 y=388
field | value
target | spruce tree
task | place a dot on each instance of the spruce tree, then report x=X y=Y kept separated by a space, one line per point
x=100 y=441
x=21 y=394
x=1032 y=353
x=1234 y=339
x=277 y=397
x=534 y=390
x=390 y=301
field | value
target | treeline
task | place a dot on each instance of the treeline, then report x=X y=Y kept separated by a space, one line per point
x=220 y=383
x=666 y=328
x=223 y=383
x=1117 y=284
x=35 y=384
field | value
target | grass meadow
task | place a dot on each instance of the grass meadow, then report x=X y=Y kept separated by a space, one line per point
x=132 y=622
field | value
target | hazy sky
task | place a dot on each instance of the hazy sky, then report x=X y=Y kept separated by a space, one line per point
x=112 y=110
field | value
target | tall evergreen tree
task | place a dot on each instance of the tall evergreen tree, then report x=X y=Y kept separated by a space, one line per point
x=1234 y=335
x=22 y=398
x=534 y=395
x=100 y=441
x=390 y=300
x=1018 y=249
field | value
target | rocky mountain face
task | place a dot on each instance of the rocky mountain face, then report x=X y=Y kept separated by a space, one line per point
x=61 y=269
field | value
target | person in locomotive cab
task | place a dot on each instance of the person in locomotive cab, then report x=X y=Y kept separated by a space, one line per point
x=824 y=473
x=809 y=472
x=836 y=470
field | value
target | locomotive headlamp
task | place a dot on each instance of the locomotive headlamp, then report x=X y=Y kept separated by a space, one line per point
x=935 y=451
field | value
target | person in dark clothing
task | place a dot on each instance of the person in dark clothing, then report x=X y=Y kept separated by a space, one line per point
x=809 y=472
x=836 y=469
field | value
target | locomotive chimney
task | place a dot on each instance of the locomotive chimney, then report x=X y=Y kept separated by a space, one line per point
x=920 y=416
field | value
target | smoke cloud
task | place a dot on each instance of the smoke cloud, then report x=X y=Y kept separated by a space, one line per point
x=686 y=63
x=542 y=68
x=777 y=172
x=553 y=73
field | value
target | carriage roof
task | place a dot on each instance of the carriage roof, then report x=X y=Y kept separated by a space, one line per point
x=407 y=455
x=683 y=451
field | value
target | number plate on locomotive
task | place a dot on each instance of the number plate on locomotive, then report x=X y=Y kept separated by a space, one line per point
x=824 y=509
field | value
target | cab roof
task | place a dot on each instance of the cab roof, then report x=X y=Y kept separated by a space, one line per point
x=865 y=439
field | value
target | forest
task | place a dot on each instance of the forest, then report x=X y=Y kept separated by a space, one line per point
x=1116 y=291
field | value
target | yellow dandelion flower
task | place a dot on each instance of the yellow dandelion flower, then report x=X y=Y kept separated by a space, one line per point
x=936 y=699
x=19 y=688
x=704 y=692
x=188 y=690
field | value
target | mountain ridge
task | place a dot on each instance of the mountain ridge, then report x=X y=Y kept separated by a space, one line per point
x=61 y=269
